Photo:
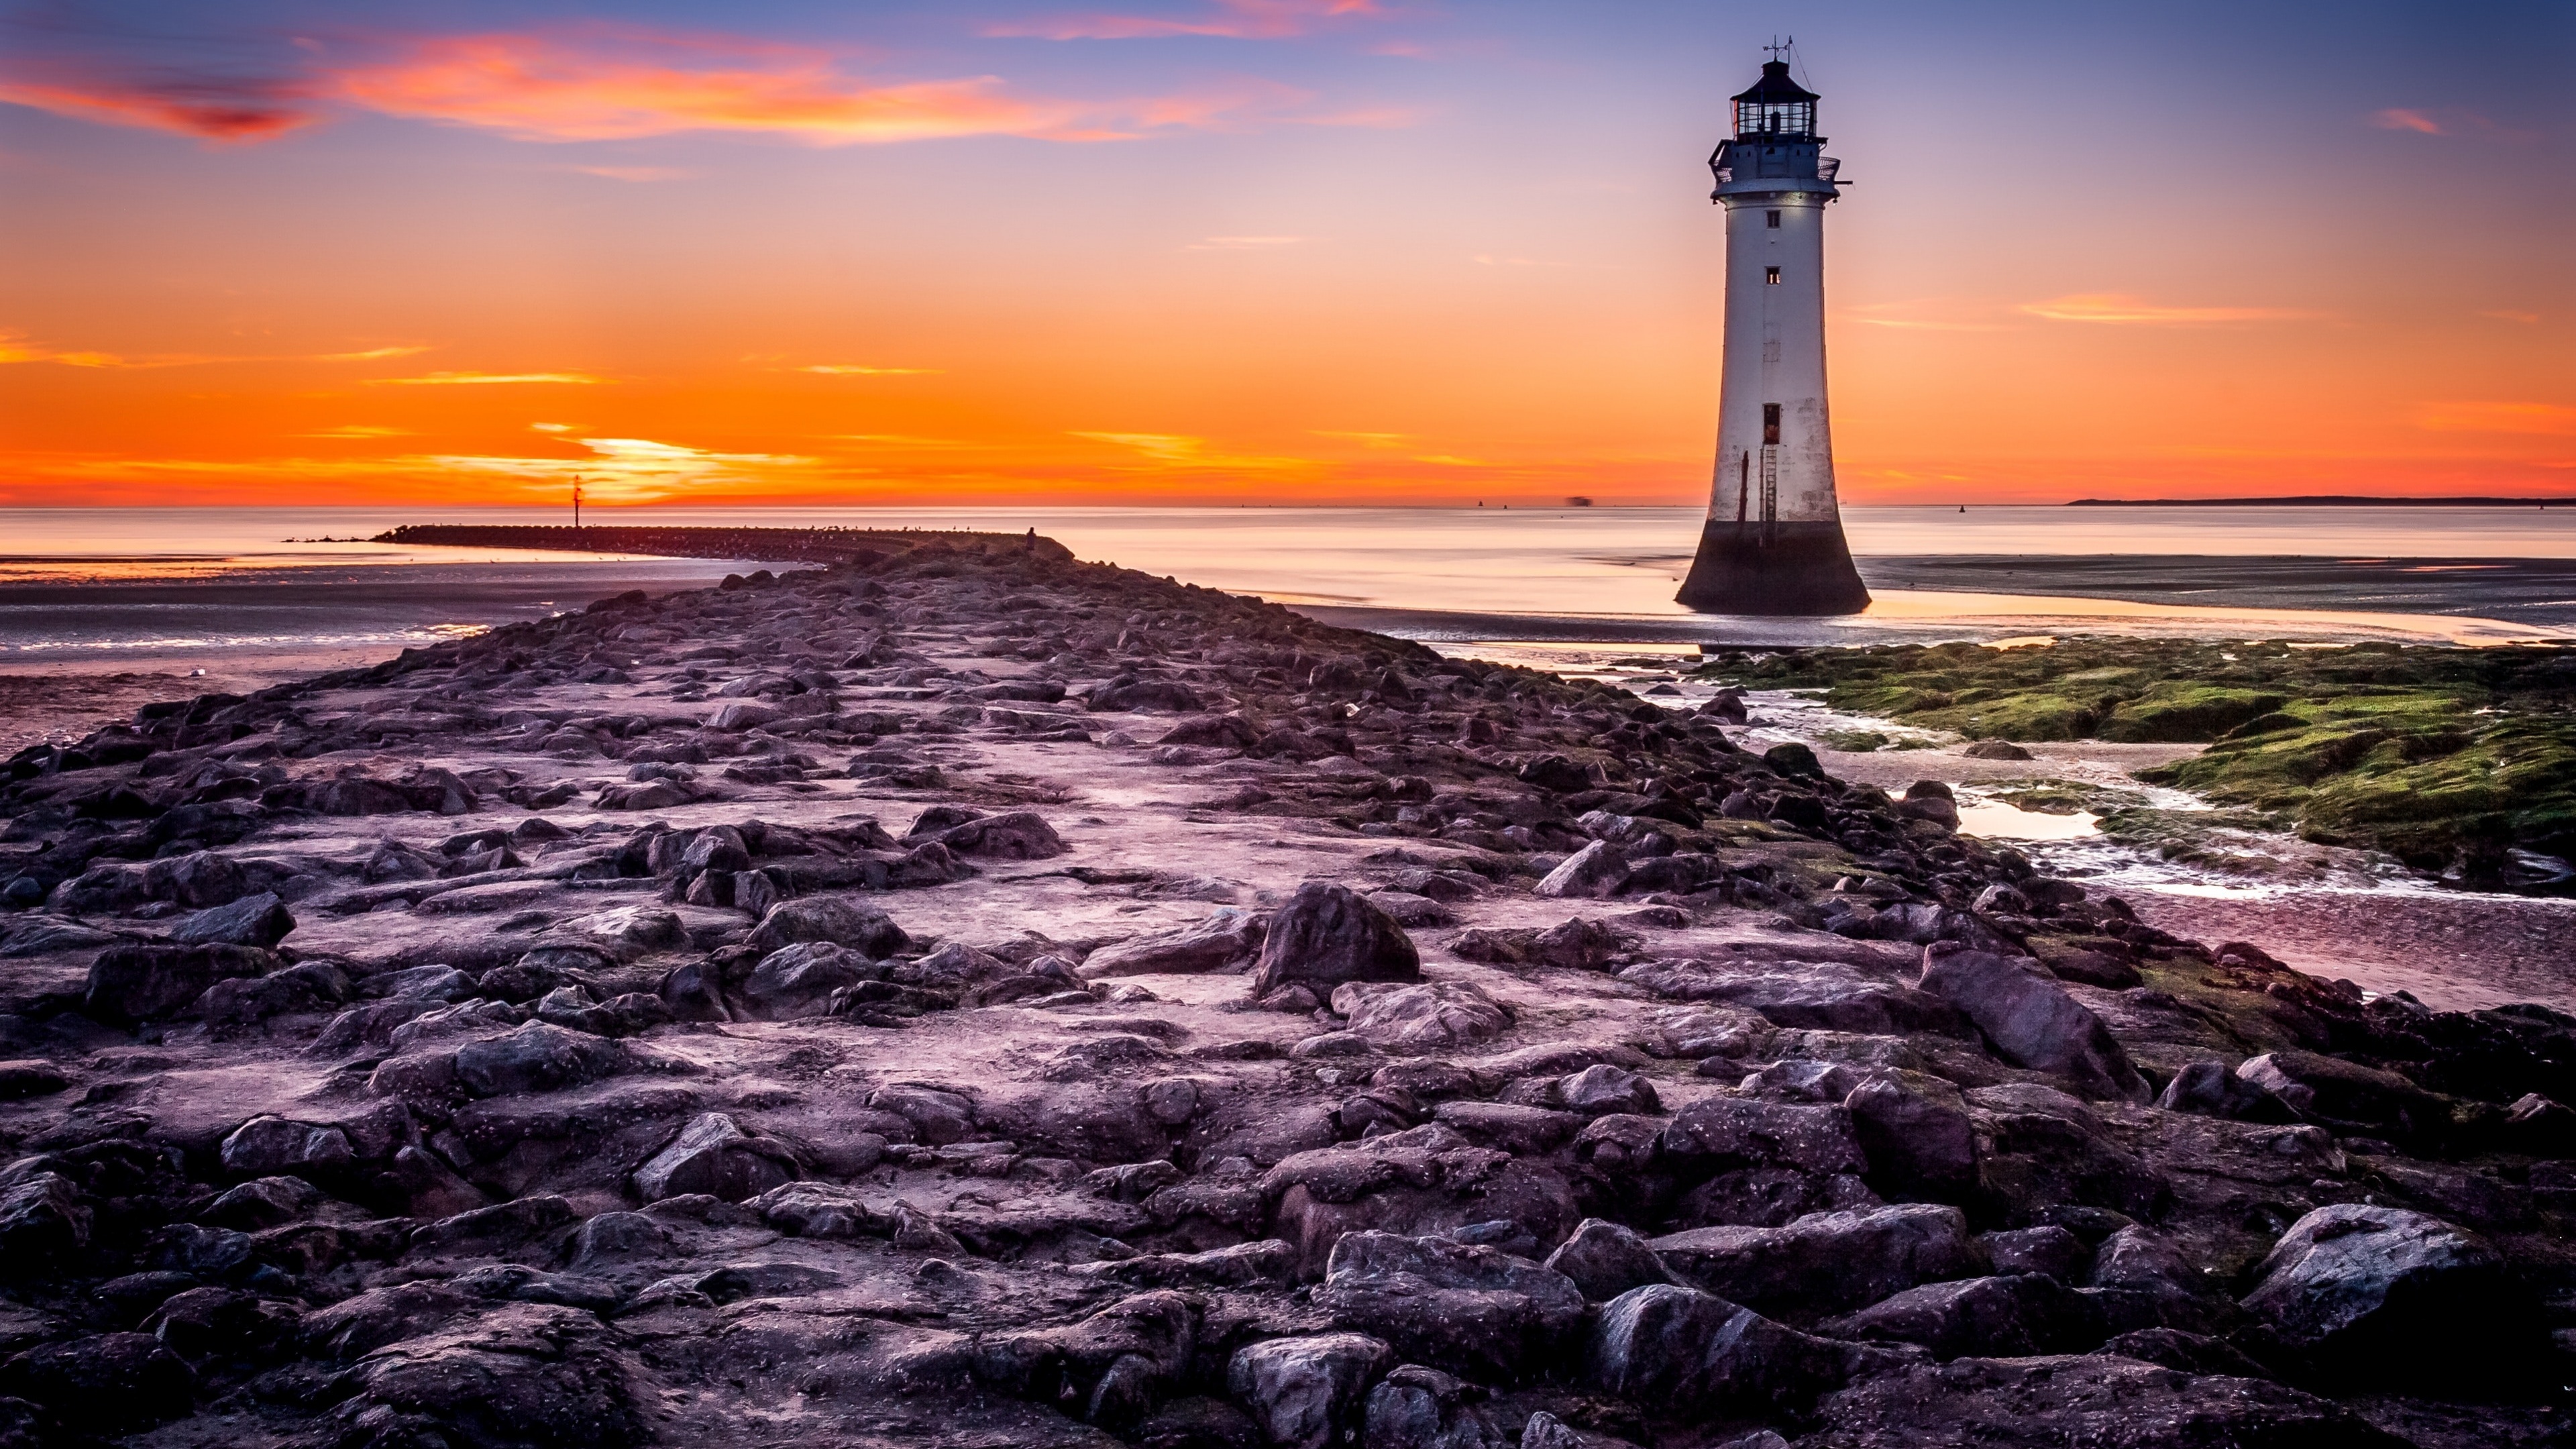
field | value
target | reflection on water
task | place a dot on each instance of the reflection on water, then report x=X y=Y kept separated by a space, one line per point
x=1995 y=820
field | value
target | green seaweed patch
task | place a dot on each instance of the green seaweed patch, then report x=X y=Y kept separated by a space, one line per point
x=2445 y=757
x=1857 y=742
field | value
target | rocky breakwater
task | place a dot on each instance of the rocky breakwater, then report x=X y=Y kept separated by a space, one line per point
x=979 y=998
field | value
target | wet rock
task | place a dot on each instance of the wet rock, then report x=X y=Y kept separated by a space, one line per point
x=1826 y=1262
x=714 y=1156
x=1814 y=997
x=2330 y=1089
x=1995 y=750
x=2012 y=1316
x=1225 y=939
x=843 y=922
x=1326 y=935
x=1604 y=1259
x=1692 y=1354
x=113 y=1383
x=145 y=983
x=1129 y=693
x=2030 y=1021
x=1439 y=1301
x=1306 y=1393
x=260 y=921
x=2380 y=1293
x=2039 y=1149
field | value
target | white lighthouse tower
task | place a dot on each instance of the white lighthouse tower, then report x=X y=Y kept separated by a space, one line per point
x=1773 y=543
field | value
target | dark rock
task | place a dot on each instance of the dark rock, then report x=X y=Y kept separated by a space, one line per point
x=43 y=1216
x=144 y=983
x=1443 y=1302
x=1690 y=1354
x=1995 y=750
x=538 y=1057
x=274 y=1146
x=1605 y=1259
x=1328 y=934
x=1307 y=1393
x=261 y=921
x=524 y=1374
x=2191 y=1353
x=843 y=922
x=114 y=1383
x=2049 y=1249
x=2011 y=1316
x=1556 y=772
x=1917 y=1144
x=1827 y=1262
x=1421 y=1408
x=714 y=1156
x=2330 y=1089
x=2381 y=1295
x=20 y=1080
x=2031 y=1022
x=2209 y=1089
x=799 y=980
x=1019 y=835
x=2049 y=1403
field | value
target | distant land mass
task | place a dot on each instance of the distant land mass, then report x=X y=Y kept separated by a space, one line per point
x=2322 y=500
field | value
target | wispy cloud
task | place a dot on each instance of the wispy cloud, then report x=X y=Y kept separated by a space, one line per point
x=2445 y=121
x=1227 y=19
x=360 y=430
x=2119 y=308
x=2525 y=318
x=602 y=82
x=852 y=369
x=16 y=347
x=489 y=379
x=1368 y=440
x=207 y=107
x=1927 y=314
x=1180 y=451
x=2496 y=417
x=634 y=470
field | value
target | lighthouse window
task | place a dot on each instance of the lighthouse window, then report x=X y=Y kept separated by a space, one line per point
x=1771 y=219
x=1771 y=276
x=1770 y=424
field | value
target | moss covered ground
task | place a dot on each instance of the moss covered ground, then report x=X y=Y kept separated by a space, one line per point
x=2447 y=758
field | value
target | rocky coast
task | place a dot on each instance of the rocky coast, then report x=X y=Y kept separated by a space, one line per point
x=964 y=996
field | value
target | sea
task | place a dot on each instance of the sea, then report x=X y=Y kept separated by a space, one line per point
x=155 y=585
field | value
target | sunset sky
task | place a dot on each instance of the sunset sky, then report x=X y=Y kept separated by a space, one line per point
x=1263 y=251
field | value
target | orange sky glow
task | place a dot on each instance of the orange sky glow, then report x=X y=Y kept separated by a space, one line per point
x=1254 y=251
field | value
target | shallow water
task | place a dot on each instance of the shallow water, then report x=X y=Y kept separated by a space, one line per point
x=1435 y=574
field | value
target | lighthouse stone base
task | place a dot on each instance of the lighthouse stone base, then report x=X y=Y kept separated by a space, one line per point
x=1799 y=569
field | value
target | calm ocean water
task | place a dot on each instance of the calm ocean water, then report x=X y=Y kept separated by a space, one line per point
x=150 y=583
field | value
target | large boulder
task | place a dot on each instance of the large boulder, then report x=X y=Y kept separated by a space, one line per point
x=260 y=921
x=1826 y=1262
x=274 y=1146
x=1329 y=934
x=1306 y=1393
x=1691 y=1354
x=1605 y=1259
x=2030 y=1021
x=799 y=980
x=1598 y=869
x=142 y=983
x=1220 y=941
x=106 y=1384
x=1920 y=1143
x=2382 y=1294
x=524 y=1375
x=837 y=919
x=713 y=1155
x=2209 y=1089
x=1463 y=1306
x=1423 y=1408
x=538 y=1057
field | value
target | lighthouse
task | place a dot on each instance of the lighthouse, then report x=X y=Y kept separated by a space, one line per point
x=1773 y=543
